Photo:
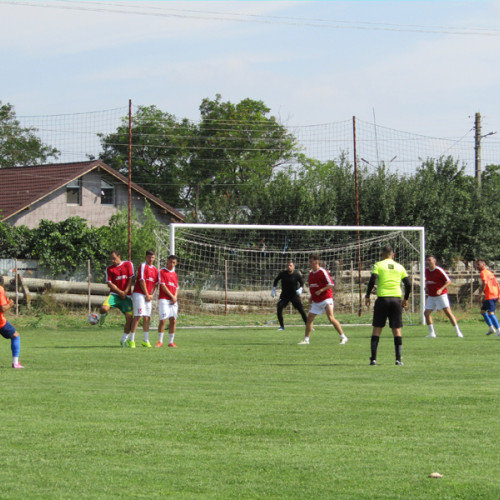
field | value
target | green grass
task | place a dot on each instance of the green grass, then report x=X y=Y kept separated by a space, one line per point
x=247 y=413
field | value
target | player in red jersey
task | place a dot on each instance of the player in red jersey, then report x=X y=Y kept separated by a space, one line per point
x=119 y=277
x=167 y=303
x=489 y=294
x=142 y=297
x=320 y=287
x=436 y=283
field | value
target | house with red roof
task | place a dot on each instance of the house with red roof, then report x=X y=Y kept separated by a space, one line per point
x=91 y=190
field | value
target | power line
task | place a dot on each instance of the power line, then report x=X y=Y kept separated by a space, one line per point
x=168 y=12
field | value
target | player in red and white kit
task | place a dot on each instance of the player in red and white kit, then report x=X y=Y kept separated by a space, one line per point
x=142 y=297
x=436 y=283
x=119 y=278
x=320 y=287
x=167 y=304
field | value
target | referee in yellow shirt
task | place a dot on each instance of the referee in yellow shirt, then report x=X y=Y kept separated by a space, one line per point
x=388 y=275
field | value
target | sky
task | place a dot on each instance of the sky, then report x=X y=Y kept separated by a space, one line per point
x=424 y=67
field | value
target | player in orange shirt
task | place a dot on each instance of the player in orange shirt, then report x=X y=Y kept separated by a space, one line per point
x=491 y=291
x=7 y=330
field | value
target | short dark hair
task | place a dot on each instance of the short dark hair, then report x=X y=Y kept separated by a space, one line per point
x=172 y=257
x=150 y=252
x=429 y=256
x=387 y=250
x=314 y=256
x=116 y=252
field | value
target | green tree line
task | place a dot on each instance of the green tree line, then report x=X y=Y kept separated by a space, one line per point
x=238 y=164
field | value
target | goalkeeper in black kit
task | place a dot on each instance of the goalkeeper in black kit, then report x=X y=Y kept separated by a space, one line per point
x=292 y=285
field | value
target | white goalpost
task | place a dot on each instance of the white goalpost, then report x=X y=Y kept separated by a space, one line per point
x=230 y=268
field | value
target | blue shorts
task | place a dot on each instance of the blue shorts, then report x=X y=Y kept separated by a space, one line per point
x=489 y=305
x=7 y=331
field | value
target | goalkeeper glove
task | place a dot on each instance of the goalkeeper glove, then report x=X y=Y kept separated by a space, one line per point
x=299 y=290
x=273 y=293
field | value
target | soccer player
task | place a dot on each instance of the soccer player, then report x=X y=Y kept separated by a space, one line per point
x=491 y=292
x=167 y=304
x=436 y=283
x=292 y=285
x=388 y=275
x=7 y=330
x=119 y=278
x=320 y=286
x=142 y=297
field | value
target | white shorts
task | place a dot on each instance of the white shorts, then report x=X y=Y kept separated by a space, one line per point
x=437 y=303
x=141 y=307
x=167 y=310
x=319 y=307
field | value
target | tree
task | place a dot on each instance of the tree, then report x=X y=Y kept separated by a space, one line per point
x=240 y=147
x=115 y=235
x=162 y=146
x=64 y=246
x=19 y=146
x=444 y=200
x=15 y=242
x=212 y=168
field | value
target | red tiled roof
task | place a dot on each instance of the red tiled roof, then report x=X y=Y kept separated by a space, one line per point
x=20 y=187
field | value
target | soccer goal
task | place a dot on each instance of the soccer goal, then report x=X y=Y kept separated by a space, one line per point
x=230 y=268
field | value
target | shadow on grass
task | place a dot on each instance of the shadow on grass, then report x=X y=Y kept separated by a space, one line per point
x=81 y=347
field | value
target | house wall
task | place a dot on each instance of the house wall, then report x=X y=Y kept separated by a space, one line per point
x=55 y=207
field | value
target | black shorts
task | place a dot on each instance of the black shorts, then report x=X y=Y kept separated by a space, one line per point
x=388 y=307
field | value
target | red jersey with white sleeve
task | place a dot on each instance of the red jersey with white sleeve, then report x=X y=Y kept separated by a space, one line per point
x=434 y=280
x=120 y=274
x=148 y=274
x=317 y=280
x=169 y=279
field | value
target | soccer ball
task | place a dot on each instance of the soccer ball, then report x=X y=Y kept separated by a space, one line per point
x=93 y=318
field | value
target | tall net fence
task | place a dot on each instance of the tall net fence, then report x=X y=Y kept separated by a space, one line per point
x=76 y=137
x=231 y=270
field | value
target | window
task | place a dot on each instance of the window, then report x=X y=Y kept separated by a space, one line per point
x=107 y=193
x=74 y=192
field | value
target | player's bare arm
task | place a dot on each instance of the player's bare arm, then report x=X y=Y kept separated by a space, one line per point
x=439 y=291
x=324 y=289
x=166 y=291
x=142 y=284
x=128 y=287
x=6 y=307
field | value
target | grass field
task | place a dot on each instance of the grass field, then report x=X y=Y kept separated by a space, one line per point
x=247 y=413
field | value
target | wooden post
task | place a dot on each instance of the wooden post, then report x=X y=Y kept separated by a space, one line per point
x=471 y=286
x=26 y=291
x=225 y=287
x=17 y=292
x=352 y=287
x=89 y=291
x=130 y=179
x=477 y=148
x=356 y=196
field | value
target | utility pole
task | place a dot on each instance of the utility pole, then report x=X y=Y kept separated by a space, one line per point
x=477 y=148
x=130 y=179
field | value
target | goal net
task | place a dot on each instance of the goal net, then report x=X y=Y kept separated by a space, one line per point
x=229 y=269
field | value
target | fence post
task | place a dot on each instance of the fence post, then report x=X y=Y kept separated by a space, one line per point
x=17 y=291
x=225 y=287
x=89 y=283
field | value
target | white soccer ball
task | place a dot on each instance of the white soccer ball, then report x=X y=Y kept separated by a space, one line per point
x=93 y=318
